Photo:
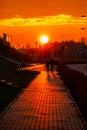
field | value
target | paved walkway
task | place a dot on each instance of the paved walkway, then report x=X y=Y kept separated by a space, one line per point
x=45 y=104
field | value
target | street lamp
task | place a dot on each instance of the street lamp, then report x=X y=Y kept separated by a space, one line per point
x=83 y=16
x=83 y=28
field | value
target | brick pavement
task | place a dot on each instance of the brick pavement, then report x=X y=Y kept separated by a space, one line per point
x=45 y=104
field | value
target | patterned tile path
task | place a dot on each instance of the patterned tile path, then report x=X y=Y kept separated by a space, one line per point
x=45 y=104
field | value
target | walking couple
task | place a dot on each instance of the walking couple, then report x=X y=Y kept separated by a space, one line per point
x=50 y=65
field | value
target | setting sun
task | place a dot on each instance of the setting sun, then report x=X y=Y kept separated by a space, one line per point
x=44 y=39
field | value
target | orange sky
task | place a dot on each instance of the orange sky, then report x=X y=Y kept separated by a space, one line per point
x=27 y=20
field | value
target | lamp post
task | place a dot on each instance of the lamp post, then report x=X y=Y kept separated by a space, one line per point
x=83 y=16
x=83 y=28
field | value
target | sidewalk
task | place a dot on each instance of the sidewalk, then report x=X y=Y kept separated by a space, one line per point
x=45 y=104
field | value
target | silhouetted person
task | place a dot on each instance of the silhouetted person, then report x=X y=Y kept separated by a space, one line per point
x=47 y=65
x=51 y=64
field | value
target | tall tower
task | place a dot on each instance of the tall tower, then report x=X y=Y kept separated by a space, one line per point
x=4 y=38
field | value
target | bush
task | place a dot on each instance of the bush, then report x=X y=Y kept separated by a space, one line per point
x=77 y=85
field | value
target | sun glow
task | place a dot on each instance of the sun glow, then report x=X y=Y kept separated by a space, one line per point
x=44 y=39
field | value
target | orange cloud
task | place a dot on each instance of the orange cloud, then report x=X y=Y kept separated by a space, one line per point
x=47 y=20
